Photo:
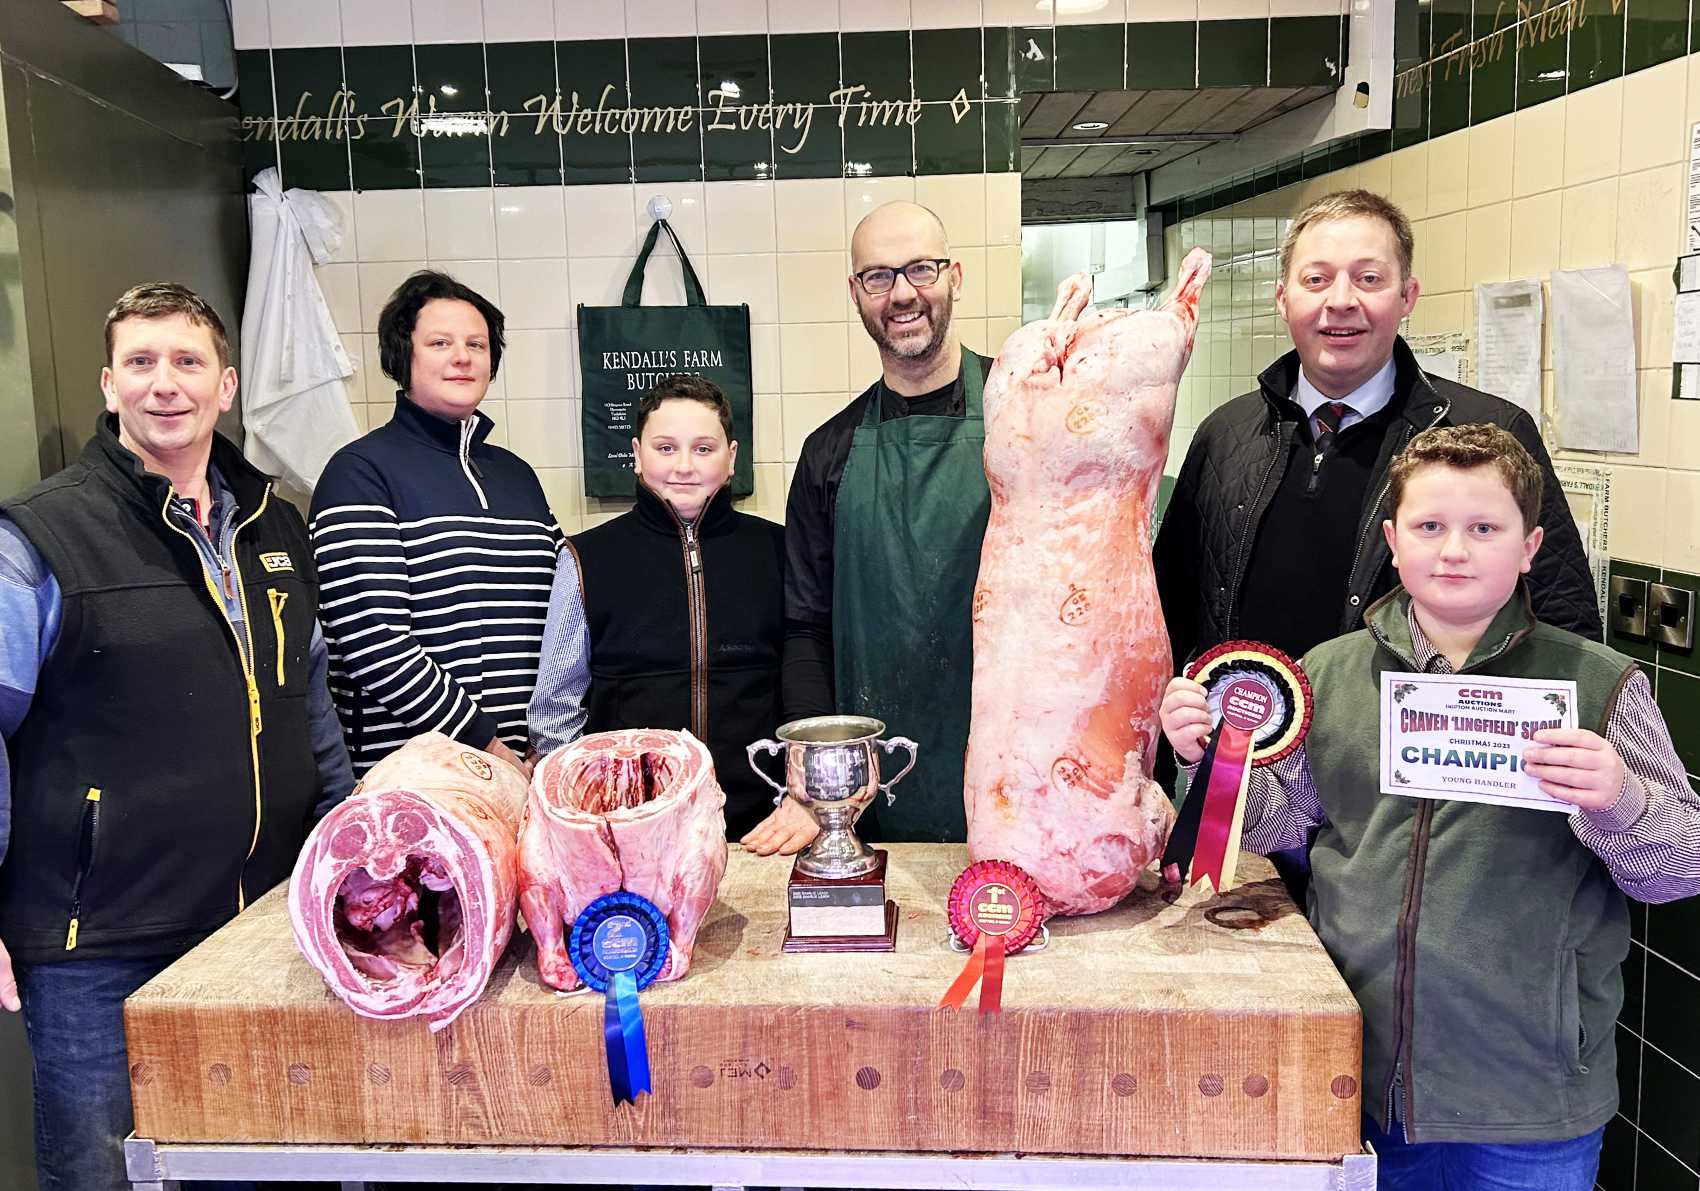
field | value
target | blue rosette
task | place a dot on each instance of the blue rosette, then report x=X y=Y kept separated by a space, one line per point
x=619 y=946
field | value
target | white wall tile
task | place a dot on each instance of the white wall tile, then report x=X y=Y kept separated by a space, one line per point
x=377 y=282
x=598 y=280
x=1534 y=234
x=1003 y=208
x=1653 y=131
x=858 y=15
x=297 y=23
x=530 y=221
x=1588 y=231
x=250 y=24
x=1684 y=426
x=538 y=364
x=563 y=488
x=972 y=301
x=1003 y=281
x=1654 y=294
x=459 y=223
x=802 y=16
x=1491 y=159
x=862 y=195
x=813 y=358
x=1162 y=10
x=764 y=350
x=546 y=433
x=1013 y=12
x=1449 y=173
x=1650 y=214
x=354 y=386
x=600 y=222
x=589 y=20
x=810 y=214
x=749 y=278
x=660 y=18
x=689 y=218
x=731 y=16
x=1100 y=12
x=482 y=275
x=519 y=20
x=347 y=251
x=945 y=14
x=536 y=294
x=447 y=21
x=740 y=217
x=380 y=389
x=959 y=200
x=389 y=225
x=768 y=429
x=812 y=286
x=341 y=286
x=971 y=332
x=374 y=22
x=1410 y=181
x=1539 y=152
x=804 y=412
x=1638 y=515
x=1232 y=10
x=1593 y=132
x=1488 y=244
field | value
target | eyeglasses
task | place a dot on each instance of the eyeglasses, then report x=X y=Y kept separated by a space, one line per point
x=921 y=274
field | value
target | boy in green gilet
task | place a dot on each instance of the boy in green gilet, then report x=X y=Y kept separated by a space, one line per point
x=1483 y=942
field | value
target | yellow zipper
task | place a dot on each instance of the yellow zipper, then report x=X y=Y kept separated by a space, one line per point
x=243 y=655
x=82 y=871
x=278 y=599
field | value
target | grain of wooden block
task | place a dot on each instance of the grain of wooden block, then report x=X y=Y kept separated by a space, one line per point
x=1211 y=1027
x=99 y=12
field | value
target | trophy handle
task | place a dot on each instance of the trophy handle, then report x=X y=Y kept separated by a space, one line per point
x=897 y=742
x=769 y=747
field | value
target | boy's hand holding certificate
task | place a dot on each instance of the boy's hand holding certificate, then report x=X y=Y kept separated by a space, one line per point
x=1509 y=741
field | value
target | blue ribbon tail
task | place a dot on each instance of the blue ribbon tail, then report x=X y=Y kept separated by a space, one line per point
x=614 y=1037
x=636 y=1058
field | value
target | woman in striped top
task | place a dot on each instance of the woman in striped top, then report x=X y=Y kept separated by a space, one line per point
x=435 y=548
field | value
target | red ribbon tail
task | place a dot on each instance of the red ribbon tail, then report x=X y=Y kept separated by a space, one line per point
x=1223 y=795
x=991 y=992
x=955 y=996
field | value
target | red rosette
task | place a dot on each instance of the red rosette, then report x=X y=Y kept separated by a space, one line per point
x=1276 y=673
x=997 y=899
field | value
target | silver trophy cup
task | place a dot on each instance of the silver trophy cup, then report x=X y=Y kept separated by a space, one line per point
x=832 y=769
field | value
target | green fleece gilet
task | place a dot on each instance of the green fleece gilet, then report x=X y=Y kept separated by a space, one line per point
x=1483 y=943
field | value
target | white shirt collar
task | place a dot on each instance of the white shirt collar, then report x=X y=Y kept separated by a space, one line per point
x=1367 y=400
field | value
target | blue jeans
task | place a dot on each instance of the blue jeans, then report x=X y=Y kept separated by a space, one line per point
x=1483 y=1166
x=74 y=1016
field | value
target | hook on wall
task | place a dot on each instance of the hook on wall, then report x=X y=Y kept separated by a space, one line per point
x=660 y=207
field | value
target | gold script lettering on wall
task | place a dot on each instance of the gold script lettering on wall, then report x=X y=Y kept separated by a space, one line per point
x=553 y=116
x=1534 y=24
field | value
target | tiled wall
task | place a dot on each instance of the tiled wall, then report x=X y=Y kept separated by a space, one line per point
x=187 y=31
x=1591 y=178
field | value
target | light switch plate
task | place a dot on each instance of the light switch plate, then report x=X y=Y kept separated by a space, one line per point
x=1626 y=602
x=1670 y=616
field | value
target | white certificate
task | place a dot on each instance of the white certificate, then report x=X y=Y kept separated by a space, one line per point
x=1462 y=736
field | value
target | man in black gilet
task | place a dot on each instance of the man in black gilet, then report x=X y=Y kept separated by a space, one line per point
x=169 y=735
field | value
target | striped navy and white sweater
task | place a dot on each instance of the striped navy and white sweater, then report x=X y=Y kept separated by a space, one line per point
x=435 y=552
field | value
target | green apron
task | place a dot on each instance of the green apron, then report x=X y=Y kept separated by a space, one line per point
x=911 y=513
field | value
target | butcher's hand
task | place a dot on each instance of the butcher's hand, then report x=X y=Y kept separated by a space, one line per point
x=1576 y=765
x=9 y=999
x=502 y=752
x=1185 y=716
x=788 y=829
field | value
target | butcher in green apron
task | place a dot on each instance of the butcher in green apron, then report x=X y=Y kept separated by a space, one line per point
x=883 y=529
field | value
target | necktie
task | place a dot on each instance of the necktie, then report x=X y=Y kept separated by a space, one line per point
x=1328 y=419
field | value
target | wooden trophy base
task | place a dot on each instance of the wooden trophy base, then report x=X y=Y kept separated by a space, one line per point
x=849 y=914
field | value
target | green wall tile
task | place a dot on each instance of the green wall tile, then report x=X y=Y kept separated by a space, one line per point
x=1673 y=930
x=805 y=67
x=589 y=68
x=1493 y=82
x=1003 y=137
x=451 y=78
x=307 y=81
x=521 y=72
x=1233 y=53
x=1674 y=659
x=379 y=74
x=878 y=150
x=1617 y=1149
x=1657 y=32
x=663 y=72
x=523 y=155
x=454 y=158
x=1090 y=57
x=741 y=61
x=668 y=156
x=1162 y=55
x=1655 y=1170
x=1640 y=650
x=384 y=159
x=1669 y=1094
x=1452 y=23
x=1596 y=45
x=589 y=158
x=947 y=60
x=1035 y=57
x=877 y=61
x=1304 y=51
x=254 y=82
x=741 y=153
x=1679 y=700
x=1634 y=984
x=1541 y=70
x=946 y=144
x=1449 y=100
x=819 y=154
x=998 y=63
x=320 y=164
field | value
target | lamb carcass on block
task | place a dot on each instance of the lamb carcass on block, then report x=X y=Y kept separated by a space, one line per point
x=636 y=810
x=403 y=897
x=1070 y=651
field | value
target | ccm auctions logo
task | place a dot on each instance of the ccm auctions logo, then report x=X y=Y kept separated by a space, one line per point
x=1472 y=693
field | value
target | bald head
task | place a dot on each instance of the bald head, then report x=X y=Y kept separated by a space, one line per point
x=896 y=233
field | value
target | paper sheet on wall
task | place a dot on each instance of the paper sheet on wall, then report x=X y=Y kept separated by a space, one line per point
x=1694 y=189
x=1442 y=353
x=1508 y=342
x=1587 y=490
x=1593 y=360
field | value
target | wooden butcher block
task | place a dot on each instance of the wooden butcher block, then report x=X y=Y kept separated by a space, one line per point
x=1210 y=1027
